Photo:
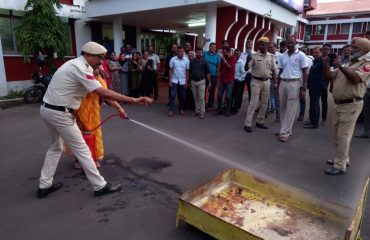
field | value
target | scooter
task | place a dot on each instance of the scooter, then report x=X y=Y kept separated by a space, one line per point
x=36 y=92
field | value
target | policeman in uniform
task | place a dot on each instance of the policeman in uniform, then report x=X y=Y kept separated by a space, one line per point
x=349 y=86
x=262 y=67
x=70 y=83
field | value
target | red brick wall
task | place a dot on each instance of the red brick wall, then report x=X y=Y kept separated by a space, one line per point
x=16 y=69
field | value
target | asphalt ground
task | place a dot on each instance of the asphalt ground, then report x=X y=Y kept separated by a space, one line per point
x=155 y=170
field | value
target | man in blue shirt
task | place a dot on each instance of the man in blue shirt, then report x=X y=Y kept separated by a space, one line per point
x=213 y=60
x=315 y=85
x=178 y=79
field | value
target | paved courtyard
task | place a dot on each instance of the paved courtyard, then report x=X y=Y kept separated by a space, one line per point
x=155 y=170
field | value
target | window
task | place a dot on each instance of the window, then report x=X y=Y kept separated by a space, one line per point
x=344 y=27
x=357 y=27
x=332 y=29
x=368 y=26
x=320 y=29
x=8 y=21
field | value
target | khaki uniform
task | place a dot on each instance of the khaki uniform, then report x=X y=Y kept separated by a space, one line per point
x=346 y=114
x=261 y=67
x=70 y=83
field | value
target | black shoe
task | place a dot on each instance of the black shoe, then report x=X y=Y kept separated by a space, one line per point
x=248 y=129
x=277 y=134
x=43 y=192
x=258 y=125
x=310 y=126
x=331 y=162
x=227 y=114
x=333 y=171
x=109 y=188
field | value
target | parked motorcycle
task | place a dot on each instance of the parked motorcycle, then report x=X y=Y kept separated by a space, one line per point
x=36 y=92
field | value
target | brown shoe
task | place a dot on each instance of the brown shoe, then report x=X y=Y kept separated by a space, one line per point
x=170 y=114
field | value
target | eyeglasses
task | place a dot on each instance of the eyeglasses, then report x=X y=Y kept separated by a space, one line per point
x=101 y=57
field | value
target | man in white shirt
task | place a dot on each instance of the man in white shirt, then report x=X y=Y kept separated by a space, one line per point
x=156 y=62
x=293 y=67
x=69 y=85
x=245 y=56
x=239 y=84
x=274 y=98
x=178 y=79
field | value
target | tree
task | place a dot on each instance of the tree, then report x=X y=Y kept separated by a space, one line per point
x=40 y=30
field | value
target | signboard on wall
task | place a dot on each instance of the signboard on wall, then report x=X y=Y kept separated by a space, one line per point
x=294 y=5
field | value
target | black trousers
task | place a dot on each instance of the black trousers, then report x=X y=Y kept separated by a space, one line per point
x=324 y=103
x=315 y=95
x=237 y=96
x=155 y=84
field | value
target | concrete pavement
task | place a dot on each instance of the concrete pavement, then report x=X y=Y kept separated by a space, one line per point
x=154 y=170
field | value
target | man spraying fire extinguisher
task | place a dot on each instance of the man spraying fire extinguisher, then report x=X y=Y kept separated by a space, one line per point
x=70 y=83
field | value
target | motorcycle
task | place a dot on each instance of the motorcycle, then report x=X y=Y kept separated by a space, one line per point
x=36 y=92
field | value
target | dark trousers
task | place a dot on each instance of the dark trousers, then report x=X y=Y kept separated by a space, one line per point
x=179 y=90
x=324 y=103
x=248 y=80
x=211 y=97
x=366 y=110
x=228 y=89
x=315 y=95
x=302 y=106
x=237 y=96
x=155 y=84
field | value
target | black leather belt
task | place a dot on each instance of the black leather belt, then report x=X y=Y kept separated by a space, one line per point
x=261 y=79
x=58 y=108
x=356 y=99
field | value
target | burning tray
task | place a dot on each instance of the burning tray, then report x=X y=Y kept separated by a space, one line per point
x=238 y=205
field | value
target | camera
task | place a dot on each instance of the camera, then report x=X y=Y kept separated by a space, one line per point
x=332 y=56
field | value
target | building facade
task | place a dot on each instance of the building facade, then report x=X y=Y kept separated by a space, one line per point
x=145 y=22
x=337 y=23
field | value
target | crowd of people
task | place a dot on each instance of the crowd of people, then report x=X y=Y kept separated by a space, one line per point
x=276 y=81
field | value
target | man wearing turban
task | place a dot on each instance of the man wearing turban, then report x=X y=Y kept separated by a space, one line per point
x=349 y=86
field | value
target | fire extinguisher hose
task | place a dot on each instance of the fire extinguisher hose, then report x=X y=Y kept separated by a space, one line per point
x=104 y=121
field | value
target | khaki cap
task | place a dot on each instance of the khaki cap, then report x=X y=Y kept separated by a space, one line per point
x=264 y=40
x=94 y=48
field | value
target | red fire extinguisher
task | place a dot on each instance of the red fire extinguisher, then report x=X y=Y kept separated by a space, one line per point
x=90 y=138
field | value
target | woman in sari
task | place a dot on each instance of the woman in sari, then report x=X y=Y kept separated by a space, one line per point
x=123 y=74
x=114 y=68
x=88 y=117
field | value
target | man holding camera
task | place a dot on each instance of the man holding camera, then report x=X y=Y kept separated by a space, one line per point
x=349 y=86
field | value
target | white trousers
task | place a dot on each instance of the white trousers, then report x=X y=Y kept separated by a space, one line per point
x=63 y=127
x=289 y=99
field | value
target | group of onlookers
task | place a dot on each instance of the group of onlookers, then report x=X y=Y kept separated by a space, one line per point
x=131 y=73
x=278 y=81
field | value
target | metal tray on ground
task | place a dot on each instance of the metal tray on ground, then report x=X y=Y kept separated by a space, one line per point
x=238 y=205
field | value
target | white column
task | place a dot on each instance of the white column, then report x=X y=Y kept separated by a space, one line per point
x=211 y=25
x=83 y=34
x=3 y=83
x=138 y=38
x=117 y=33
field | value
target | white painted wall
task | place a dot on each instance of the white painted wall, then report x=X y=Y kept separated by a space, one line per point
x=83 y=34
x=3 y=83
x=18 y=86
x=114 y=7
x=76 y=11
x=263 y=7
